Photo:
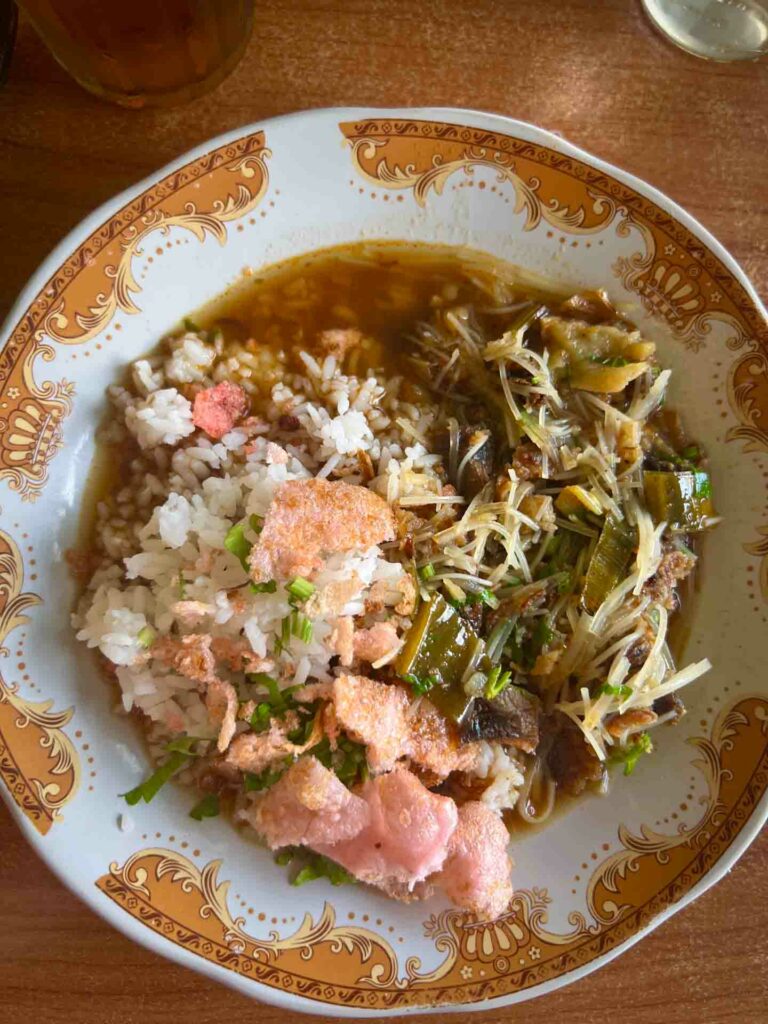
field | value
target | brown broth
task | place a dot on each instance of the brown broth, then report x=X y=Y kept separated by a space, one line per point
x=380 y=288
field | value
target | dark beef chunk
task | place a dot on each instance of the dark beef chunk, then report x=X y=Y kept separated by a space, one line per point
x=572 y=763
x=512 y=717
x=670 y=702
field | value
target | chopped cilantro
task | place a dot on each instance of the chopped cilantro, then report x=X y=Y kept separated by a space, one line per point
x=208 y=807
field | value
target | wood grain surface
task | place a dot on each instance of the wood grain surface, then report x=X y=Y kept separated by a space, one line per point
x=592 y=70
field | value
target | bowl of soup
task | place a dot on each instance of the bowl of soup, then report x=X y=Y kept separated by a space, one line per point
x=382 y=557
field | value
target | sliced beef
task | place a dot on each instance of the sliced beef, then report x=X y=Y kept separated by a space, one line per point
x=572 y=763
x=512 y=717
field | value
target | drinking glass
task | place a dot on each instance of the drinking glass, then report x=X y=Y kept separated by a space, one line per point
x=144 y=52
x=721 y=30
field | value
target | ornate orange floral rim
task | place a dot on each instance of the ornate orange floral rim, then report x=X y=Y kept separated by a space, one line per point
x=347 y=965
x=675 y=276
x=38 y=761
x=96 y=282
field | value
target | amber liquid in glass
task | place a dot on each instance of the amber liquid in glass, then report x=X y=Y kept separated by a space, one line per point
x=144 y=52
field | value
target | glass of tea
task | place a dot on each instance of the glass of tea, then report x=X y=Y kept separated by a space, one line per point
x=144 y=52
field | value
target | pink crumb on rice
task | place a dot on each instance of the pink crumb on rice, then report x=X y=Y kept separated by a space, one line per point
x=216 y=410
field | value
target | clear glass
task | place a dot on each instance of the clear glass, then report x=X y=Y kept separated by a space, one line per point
x=721 y=30
x=144 y=52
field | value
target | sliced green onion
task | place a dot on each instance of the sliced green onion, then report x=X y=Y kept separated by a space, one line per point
x=237 y=545
x=497 y=681
x=322 y=867
x=149 y=788
x=182 y=587
x=256 y=523
x=300 y=588
x=420 y=685
x=615 y=691
x=484 y=596
x=263 y=588
x=183 y=745
x=630 y=755
x=254 y=783
x=146 y=636
x=260 y=718
x=208 y=807
x=426 y=572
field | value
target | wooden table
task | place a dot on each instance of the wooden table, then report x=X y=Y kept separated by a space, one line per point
x=590 y=69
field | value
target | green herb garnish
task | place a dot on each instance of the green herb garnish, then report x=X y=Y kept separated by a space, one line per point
x=190 y=325
x=496 y=682
x=149 y=788
x=629 y=755
x=426 y=572
x=208 y=807
x=263 y=588
x=254 y=783
x=420 y=685
x=237 y=545
x=615 y=691
x=322 y=867
x=484 y=596
x=183 y=745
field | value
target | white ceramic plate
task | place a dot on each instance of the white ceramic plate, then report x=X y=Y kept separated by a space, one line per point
x=599 y=877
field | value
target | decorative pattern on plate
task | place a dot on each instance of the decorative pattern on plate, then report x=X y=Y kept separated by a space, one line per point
x=353 y=966
x=675 y=276
x=97 y=281
x=38 y=761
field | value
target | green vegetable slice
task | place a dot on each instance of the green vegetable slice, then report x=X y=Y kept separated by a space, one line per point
x=322 y=867
x=237 y=545
x=149 y=788
x=208 y=807
x=440 y=646
x=609 y=563
x=682 y=500
x=300 y=588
